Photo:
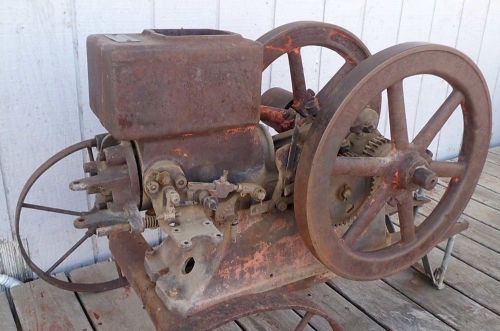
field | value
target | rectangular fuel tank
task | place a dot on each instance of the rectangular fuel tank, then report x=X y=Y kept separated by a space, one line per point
x=173 y=82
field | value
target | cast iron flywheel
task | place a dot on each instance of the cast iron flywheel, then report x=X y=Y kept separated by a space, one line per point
x=88 y=233
x=289 y=39
x=406 y=169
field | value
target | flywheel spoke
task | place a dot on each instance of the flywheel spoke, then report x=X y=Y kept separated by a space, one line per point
x=406 y=217
x=360 y=166
x=51 y=209
x=87 y=235
x=370 y=207
x=447 y=169
x=298 y=78
x=437 y=121
x=397 y=116
x=304 y=321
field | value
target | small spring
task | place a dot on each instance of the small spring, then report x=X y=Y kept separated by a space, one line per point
x=150 y=221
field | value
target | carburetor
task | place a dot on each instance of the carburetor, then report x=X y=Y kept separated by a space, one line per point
x=247 y=217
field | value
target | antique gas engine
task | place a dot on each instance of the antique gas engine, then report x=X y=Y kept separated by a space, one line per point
x=248 y=217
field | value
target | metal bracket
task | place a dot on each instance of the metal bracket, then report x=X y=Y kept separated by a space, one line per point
x=437 y=276
x=191 y=223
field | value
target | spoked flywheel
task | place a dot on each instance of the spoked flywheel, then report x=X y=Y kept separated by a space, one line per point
x=289 y=39
x=405 y=168
x=87 y=232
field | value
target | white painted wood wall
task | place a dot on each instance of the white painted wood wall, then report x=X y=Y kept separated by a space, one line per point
x=43 y=78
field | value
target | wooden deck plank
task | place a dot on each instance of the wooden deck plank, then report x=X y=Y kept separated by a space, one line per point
x=486 y=197
x=495 y=150
x=41 y=306
x=388 y=306
x=7 y=322
x=481 y=194
x=277 y=320
x=478 y=256
x=117 y=309
x=470 y=252
x=232 y=326
x=463 y=276
x=477 y=231
x=344 y=312
x=474 y=209
x=494 y=155
x=492 y=169
x=490 y=181
x=469 y=281
x=450 y=305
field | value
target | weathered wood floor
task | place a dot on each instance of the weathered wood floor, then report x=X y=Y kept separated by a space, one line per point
x=406 y=301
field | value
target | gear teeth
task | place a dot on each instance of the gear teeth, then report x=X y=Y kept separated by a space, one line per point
x=374 y=145
x=349 y=154
x=372 y=148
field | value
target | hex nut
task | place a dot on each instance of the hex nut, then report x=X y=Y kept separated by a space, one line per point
x=152 y=186
x=282 y=205
x=259 y=194
x=180 y=181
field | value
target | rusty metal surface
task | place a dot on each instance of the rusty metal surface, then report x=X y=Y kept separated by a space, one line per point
x=275 y=109
x=244 y=151
x=173 y=82
x=290 y=38
x=129 y=250
x=248 y=217
x=395 y=173
x=47 y=274
x=259 y=254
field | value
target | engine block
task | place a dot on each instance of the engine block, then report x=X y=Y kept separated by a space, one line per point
x=247 y=217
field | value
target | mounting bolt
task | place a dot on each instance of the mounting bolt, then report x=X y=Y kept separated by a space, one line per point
x=150 y=252
x=259 y=194
x=173 y=292
x=173 y=195
x=180 y=181
x=210 y=203
x=152 y=186
x=425 y=178
x=345 y=193
x=282 y=205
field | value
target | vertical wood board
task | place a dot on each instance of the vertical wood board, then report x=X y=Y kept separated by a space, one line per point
x=39 y=117
x=7 y=322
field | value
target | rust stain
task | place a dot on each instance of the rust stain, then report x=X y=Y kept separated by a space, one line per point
x=242 y=129
x=181 y=152
x=124 y=122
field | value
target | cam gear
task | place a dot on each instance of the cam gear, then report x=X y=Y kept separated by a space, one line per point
x=352 y=191
x=378 y=146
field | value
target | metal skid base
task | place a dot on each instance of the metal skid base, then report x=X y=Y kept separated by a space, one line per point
x=128 y=250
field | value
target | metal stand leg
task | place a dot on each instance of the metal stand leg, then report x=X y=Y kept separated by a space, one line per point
x=437 y=276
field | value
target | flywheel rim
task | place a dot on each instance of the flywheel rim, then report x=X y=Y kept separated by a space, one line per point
x=290 y=38
x=384 y=70
x=46 y=275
